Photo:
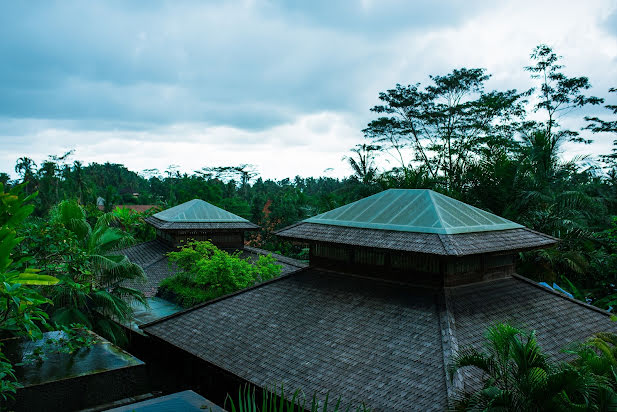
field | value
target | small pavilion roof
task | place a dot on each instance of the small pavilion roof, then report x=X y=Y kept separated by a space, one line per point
x=198 y=214
x=417 y=220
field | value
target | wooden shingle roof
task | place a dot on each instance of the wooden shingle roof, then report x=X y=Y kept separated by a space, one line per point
x=367 y=340
x=322 y=332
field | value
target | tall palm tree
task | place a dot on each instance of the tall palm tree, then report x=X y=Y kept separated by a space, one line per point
x=363 y=164
x=92 y=290
x=26 y=168
x=551 y=199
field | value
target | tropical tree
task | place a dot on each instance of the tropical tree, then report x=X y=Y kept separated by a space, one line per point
x=21 y=310
x=443 y=124
x=517 y=376
x=363 y=162
x=26 y=168
x=597 y=125
x=92 y=289
x=133 y=223
x=557 y=94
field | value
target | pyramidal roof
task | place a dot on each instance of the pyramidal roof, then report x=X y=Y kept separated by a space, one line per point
x=198 y=211
x=414 y=210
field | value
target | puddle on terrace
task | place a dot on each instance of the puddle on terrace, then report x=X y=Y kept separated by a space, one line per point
x=102 y=356
x=159 y=308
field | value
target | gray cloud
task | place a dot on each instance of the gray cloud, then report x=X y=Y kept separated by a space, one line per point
x=74 y=74
x=251 y=66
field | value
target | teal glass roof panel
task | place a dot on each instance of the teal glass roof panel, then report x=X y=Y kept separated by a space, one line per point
x=197 y=210
x=414 y=210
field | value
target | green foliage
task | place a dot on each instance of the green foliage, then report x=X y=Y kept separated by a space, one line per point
x=275 y=401
x=8 y=380
x=557 y=93
x=133 y=223
x=598 y=355
x=517 y=376
x=91 y=289
x=20 y=305
x=363 y=163
x=208 y=272
x=21 y=312
x=443 y=126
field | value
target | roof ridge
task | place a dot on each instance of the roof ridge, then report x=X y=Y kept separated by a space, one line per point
x=448 y=244
x=542 y=234
x=277 y=256
x=276 y=232
x=449 y=341
x=163 y=256
x=156 y=240
x=229 y=295
x=561 y=295
x=435 y=208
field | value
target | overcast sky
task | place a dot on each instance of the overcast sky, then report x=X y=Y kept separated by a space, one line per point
x=286 y=88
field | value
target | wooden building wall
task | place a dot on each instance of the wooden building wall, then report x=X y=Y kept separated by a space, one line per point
x=415 y=268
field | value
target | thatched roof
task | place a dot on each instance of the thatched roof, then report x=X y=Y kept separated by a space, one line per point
x=417 y=220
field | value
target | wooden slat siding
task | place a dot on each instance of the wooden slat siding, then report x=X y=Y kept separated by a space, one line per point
x=415 y=268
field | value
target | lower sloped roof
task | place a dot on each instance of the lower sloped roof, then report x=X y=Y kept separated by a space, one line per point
x=152 y=257
x=558 y=320
x=318 y=331
x=365 y=339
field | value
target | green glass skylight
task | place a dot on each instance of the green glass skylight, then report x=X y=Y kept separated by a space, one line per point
x=414 y=210
x=197 y=210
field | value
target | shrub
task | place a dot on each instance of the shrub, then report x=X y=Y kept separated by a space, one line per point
x=208 y=272
x=273 y=400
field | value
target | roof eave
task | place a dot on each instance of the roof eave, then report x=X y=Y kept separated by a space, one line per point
x=450 y=249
